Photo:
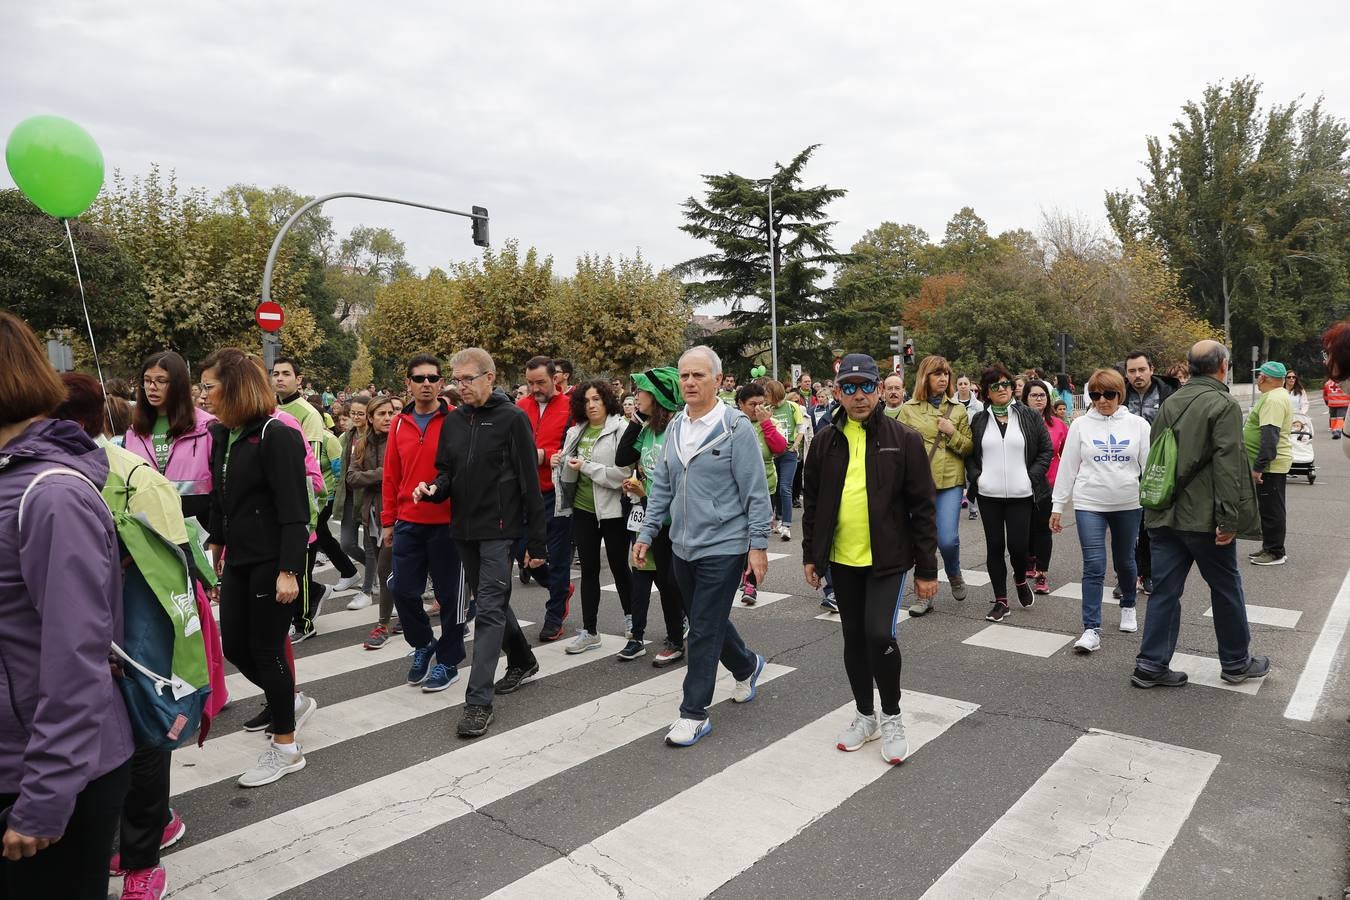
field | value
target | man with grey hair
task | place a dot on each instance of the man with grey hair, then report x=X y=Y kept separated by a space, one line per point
x=1213 y=502
x=709 y=480
x=487 y=467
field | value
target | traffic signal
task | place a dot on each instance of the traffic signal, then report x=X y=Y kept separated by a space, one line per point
x=897 y=338
x=909 y=353
x=480 y=226
x=1065 y=344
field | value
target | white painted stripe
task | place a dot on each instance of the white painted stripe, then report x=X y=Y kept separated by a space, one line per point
x=1074 y=591
x=1019 y=640
x=339 y=619
x=771 y=557
x=317 y=666
x=970 y=576
x=1313 y=681
x=272 y=856
x=1205 y=670
x=762 y=598
x=677 y=849
x=1096 y=824
x=1268 y=615
x=230 y=754
x=834 y=617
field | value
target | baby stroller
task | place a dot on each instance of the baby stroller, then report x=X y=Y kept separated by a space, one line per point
x=1301 y=443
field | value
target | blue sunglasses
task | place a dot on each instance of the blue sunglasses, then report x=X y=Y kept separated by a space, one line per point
x=848 y=389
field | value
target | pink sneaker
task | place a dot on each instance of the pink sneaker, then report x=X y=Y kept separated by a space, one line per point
x=1042 y=586
x=145 y=884
x=173 y=833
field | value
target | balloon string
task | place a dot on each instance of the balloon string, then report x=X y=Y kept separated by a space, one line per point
x=112 y=427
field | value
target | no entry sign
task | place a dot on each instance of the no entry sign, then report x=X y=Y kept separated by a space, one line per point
x=269 y=316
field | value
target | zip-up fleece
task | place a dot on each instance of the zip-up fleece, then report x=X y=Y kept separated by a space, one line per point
x=485 y=467
x=901 y=498
x=409 y=458
x=189 y=464
x=63 y=722
x=718 y=502
x=261 y=505
x=549 y=429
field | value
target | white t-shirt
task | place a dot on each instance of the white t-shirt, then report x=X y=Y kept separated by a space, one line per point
x=1102 y=461
x=693 y=431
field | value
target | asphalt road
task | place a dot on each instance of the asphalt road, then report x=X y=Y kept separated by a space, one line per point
x=1039 y=775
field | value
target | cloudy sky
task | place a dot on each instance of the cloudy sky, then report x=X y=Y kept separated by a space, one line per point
x=583 y=125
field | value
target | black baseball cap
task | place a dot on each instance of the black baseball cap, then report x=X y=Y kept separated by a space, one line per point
x=858 y=365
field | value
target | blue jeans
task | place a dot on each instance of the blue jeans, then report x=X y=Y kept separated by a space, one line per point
x=1173 y=554
x=786 y=464
x=709 y=585
x=949 y=529
x=1092 y=526
x=418 y=548
x=556 y=572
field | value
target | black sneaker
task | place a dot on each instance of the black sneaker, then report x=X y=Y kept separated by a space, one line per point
x=1116 y=592
x=633 y=649
x=510 y=682
x=550 y=633
x=998 y=612
x=1146 y=584
x=1169 y=678
x=261 y=721
x=1025 y=595
x=524 y=574
x=1257 y=667
x=475 y=721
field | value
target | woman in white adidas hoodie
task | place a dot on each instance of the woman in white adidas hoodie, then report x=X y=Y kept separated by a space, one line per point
x=1099 y=471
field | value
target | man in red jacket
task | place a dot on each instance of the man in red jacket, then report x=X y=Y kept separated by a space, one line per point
x=548 y=410
x=420 y=533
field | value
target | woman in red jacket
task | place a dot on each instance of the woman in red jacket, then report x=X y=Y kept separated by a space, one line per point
x=1337 y=400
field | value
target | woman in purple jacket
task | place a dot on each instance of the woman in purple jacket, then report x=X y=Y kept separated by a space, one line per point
x=170 y=433
x=65 y=739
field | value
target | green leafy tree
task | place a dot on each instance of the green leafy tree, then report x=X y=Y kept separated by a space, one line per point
x=617 y=318
x=734 y=217
x=506 y=304
x=886 y=268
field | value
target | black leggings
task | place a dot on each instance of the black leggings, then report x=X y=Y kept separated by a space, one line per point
x=672 y=601
x=253 y=628
x=588 y=531
x=1041 y=539
x=146 y=810
x=868 y=608
x=75 y=867
x=1007 y=528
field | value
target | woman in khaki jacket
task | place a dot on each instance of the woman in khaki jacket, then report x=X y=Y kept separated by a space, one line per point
x=945 y=429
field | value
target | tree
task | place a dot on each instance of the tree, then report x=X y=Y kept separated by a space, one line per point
x=506 y=304
x=367 y=258
x=886 y=267
x=362 y=371
x=979 y=327
x=734 y=218
x=415 y=315
x=620 y=318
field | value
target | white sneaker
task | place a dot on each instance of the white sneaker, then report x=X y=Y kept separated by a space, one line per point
x=863 y=729
x=785 y=532
x=1129 y=619
x=273 y=765
x=305 y=709
x=346 y=584
x=687 y=732
x=746 y=690
x=583 y=641
x=1089 y=642
x=894 y=747
x=360 y=601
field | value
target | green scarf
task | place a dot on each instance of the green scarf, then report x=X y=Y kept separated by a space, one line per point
x=999 y=410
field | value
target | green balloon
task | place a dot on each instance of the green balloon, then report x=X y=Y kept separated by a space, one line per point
x=56 y=164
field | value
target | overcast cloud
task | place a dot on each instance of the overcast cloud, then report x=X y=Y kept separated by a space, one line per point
x=582 y=126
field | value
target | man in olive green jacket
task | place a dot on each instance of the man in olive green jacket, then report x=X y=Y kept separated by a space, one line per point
x=1213 y=503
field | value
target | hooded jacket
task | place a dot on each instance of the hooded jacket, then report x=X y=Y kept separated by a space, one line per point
x=901 y=498
x=189 y=463
x=607 y=477
x=485 y=465
x=1102 y=461
x=63 y=722
x=1146 y=405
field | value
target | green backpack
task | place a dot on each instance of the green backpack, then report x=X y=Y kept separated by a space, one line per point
x=1158 y=484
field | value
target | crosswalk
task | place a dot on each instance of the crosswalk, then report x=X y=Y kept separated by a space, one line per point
x=1114 y=803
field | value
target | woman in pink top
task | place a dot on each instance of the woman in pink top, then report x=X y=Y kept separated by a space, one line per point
x=170 y=433
x=1036 y=396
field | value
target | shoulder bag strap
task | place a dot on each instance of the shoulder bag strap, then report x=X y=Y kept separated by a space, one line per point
x=932 y=451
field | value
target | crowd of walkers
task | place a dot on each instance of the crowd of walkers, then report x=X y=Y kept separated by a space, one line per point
x=675 y=478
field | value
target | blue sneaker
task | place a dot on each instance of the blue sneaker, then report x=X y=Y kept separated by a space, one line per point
x=441 y=677
x=745 y=690
x=422 y=657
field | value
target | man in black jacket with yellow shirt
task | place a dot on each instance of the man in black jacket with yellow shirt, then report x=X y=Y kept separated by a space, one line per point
x=869 y=515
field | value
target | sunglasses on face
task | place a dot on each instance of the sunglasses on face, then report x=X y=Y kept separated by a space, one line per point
x=423 y=379
x=1094 y=396
x=1001 y=386
x=848 y=389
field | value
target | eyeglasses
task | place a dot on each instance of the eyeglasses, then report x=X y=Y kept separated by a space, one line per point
x=1001 y=386
x=155 y=382
x=465 y=382
x=1094 y=396
x=423 y=379
x=849 y=388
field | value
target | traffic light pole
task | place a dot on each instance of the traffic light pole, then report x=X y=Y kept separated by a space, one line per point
x=479 y=216
x=773 y=288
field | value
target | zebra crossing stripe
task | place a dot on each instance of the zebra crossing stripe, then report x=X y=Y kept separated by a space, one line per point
x=1096 y=824
x=226 y=756
x=676 y=849
x=287 y=850
x=318 y=666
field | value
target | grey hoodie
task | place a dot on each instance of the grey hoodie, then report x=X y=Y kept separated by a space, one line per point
x=719 y=502
x=63 y=722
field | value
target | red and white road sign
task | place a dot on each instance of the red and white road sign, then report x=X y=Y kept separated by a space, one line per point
x=269 y=316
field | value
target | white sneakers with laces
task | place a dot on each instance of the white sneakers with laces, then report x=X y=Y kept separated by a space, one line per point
x=1129 y=619
x=1089 y=642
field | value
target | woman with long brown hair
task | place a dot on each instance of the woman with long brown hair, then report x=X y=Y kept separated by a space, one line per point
x=170 y=433
x=365 y=481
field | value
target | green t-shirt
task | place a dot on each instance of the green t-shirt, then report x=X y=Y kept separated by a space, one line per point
x=787 y=417
x=1272 y=408
x=893 y=413
x=585 y=498
x=159 y=439
x=853 y=531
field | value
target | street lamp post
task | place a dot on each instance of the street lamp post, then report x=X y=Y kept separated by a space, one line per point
x=773 y=288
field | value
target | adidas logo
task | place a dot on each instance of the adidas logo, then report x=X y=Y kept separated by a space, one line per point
x=1112 y=449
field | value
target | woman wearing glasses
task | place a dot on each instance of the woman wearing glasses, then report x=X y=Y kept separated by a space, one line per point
x=170 y=433
x=1103 y=459
x=1010 y=455
x=1036 y=396
x=945 y=428
x=1298 y=394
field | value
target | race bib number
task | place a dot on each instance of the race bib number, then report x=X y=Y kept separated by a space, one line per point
x=636 y=517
